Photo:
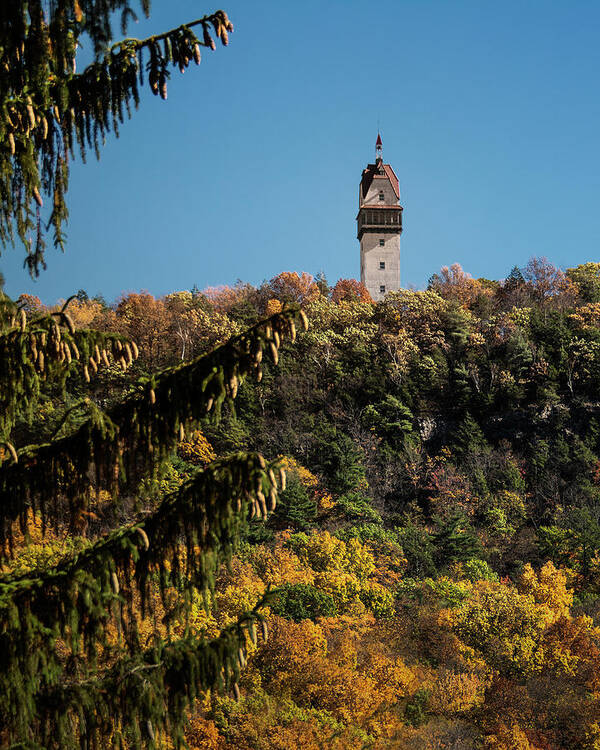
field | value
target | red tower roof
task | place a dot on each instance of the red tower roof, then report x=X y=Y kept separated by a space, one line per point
x=374 y=170
x=379 y=142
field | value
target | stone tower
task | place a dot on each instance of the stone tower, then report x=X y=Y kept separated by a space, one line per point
x=379 y=227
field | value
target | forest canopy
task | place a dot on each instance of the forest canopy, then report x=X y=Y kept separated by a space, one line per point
x=432 y=562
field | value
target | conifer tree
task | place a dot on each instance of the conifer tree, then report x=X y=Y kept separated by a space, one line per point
x=49 y=111
x=97 y=651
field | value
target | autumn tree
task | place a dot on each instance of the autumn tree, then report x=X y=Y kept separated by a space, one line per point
x=549 y=283
x=350 y=290
x=587 y=278
x=95 y=647
x=452 y=283
x=290 y=286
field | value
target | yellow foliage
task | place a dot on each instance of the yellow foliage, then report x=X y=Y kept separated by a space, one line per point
x=238 y=589
x=83 y=312
x=307 y=478
x=197 y=450
x=273 y=306
x=203 y=734
x=326 y=553
x=325 y=502
x=38 y=547
x=508 y=738
x=456 y=692
x=506 y=627
x=279 y=565
x=549 y=588
x=593 y=736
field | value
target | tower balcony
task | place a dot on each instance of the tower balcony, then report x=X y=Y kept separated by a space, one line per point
x=385 y=220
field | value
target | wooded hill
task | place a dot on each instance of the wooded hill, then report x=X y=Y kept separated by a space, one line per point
x=436 y=550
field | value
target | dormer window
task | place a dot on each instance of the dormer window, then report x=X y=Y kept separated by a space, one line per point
x=382 y=265
x=381 y=195
x=381 y=243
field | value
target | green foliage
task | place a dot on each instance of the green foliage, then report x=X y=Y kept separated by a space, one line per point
x=443 y=591
x=587 y=278
x=302 y=601
x=295 y=509
x=338 y=458
x=390 y=419
x=72 y=632
x=174 y=675
x=575 y=545
x=379 y=601
x=469 y=438
x=369 y=532
x=478 y=570
x=195 y=528
x=418 y=547
x=357 y=506
x=39 y=348
x=455 y=541
x=468 y=423
x=415 y=712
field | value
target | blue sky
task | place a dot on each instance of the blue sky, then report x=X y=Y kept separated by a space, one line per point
x=489 y=113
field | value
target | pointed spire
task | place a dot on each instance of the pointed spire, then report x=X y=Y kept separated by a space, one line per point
x=378 y=148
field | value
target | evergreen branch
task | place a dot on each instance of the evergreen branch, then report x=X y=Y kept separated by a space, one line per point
x=137 y=433
x=32 y=351
x=47 y=110
x=177 y=548
x=218 y=19
x=82 y=404
x=143 y=697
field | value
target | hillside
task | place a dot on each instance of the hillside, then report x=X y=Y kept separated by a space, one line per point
x=436 y=550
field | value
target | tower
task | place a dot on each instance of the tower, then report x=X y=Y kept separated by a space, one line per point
x=379 y=223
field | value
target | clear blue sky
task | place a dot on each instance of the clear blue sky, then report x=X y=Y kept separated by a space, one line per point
x=489 y=112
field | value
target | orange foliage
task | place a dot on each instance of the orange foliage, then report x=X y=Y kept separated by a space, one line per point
x=203 y=734
x=548 y=587
x=31 y=304
x=456 y=285
x=334 y=667
x=350 y=290
x=223 y=298
x=144 y=318
x=290 y=286
x=84 y=313
x=510 y=737
x=273 y=306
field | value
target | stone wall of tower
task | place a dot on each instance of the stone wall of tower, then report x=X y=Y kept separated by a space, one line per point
x=372 y=255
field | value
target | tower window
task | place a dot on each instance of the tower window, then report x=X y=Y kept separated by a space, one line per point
x=382 y=265
x=382 y=289
x=381 y=196
x=381 y=243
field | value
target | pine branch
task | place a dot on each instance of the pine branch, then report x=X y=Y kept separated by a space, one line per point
x=138 y=433
x=144 y=697
x=177 y=548
x=219 y=20
x=47 y=110
x=48 y=348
